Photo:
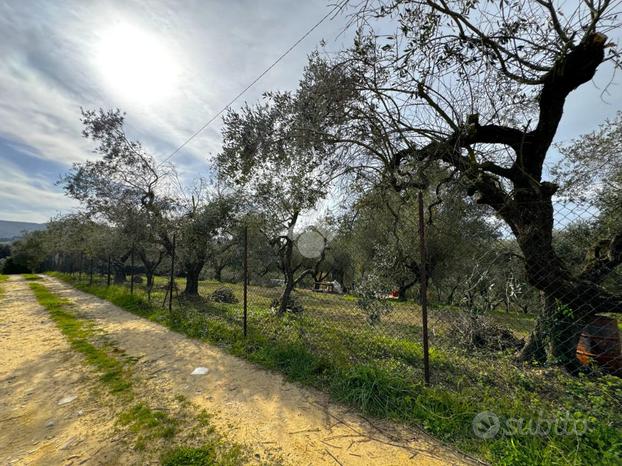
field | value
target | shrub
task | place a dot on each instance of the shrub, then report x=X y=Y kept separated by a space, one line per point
x=371 y=301
x=294 y=304
x=12 y=267
x=224 y=295
x=472 y=330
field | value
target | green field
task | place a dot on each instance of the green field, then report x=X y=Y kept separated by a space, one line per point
x=379 y=370
x=3 y=278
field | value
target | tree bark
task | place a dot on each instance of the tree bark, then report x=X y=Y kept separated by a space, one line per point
x=118 y=264
x=534 y=349
x=149 y=276
x=285 y=297
x=554 y=337
x=119 y=273
x=192 y=278
x=403 y=289
x=570 y=301
x=450 y=297
x=218 y=272
x=564 y=332
x=288 y=273
x=150 y=267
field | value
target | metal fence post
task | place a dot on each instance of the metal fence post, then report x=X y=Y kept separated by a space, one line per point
x=91 y=272
x=132 y=270
x=424 y=290
x=108 y=272
x=170 y=286
x=81 y=266
x=245 y=279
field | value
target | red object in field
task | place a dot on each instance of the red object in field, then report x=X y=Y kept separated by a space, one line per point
x=394 y=294
x=600 y=342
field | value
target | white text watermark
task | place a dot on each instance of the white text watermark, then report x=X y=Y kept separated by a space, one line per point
x=487 y=425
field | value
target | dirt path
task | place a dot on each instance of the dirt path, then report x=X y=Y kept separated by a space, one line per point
x=254 y=406
x=40 y=421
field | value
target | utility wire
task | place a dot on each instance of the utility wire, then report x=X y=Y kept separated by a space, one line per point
x=266 y=71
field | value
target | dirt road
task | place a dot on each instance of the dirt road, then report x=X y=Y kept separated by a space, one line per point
x=250 y=406
x=52 y=408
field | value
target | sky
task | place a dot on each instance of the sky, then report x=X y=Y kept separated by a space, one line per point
x=170 y=66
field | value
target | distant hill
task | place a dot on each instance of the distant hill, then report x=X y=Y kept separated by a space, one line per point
x=10 y=231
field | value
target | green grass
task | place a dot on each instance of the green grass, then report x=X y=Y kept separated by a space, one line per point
x=31 y=277
x=3 y=278
x=146 y=424
x=210 y=454
x=113 y=373
x=379 y=371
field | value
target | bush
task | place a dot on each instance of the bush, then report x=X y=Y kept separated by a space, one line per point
x=12 y=267
x=224 y=295
x=293 y=304
x=370 y=299
x=475 y=331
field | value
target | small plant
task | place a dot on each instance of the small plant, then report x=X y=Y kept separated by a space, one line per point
x=3 y=278
x=209 y=454
x=294 y=304
x=371 y=300
x=202 y=456
x=223 y=295
x=148 y=424
x=472 y=330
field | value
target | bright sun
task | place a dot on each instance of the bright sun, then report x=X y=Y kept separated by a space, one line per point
x=135 y=64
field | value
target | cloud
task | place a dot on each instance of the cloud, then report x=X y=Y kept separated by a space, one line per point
x=31 y=198
x=52 y=66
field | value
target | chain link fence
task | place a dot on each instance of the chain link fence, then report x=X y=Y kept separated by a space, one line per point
x=490 y=336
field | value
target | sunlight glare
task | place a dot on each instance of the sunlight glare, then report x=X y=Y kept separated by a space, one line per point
x=135 y=64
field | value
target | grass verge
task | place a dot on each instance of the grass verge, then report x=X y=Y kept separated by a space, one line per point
x=3 y=278
x=146 y=424
x=380 y=375
x=79 y=333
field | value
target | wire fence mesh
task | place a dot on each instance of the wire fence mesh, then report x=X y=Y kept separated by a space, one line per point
x=499 y=327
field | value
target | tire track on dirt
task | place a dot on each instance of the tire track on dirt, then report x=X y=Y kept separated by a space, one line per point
x=40 y=421
x=254 y=406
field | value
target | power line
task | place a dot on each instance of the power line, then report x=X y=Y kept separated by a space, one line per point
x=266 y=71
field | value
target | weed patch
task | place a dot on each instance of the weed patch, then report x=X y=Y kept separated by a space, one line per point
x=3 y=278
x=146 y=424
x=210 y=454
x=79 y=332
x=381 y=375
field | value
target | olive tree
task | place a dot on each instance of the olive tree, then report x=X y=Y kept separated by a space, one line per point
x=280 y=168
x=480 y=87
x=209 y=218
x=126 y=189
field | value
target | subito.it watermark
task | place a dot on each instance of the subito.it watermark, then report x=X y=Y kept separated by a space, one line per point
x=487 y=425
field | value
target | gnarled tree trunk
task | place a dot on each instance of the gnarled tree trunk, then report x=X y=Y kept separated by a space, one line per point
x=193 y=271
x=118 y=265
x=570 y=300
x=288 y=273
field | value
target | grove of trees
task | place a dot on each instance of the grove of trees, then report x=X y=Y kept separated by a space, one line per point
x=461 y=101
